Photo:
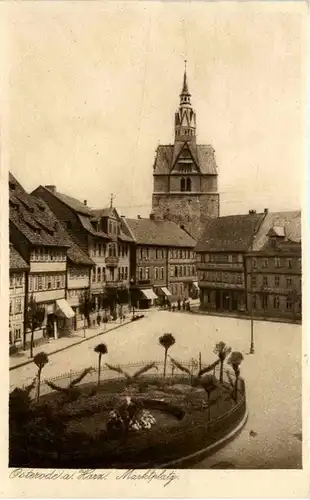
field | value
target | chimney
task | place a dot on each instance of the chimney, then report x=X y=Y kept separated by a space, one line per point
x=85 y=203
x=139 y=216
x=251 y=212
x=265 y=210
x=51 y=188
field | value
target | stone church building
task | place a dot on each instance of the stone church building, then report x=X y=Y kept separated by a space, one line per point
x=185 y=174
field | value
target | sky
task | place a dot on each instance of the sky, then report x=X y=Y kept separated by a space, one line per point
x=93 y=87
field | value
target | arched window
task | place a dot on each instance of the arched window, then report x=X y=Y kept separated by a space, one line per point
x=182 y=184
x=188 y=184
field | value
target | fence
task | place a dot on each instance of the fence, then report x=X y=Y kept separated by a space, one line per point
x=64 y=379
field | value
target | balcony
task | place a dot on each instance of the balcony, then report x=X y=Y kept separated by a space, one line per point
x=112 y=261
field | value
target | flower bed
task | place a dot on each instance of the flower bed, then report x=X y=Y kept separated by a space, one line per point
x=178 y=415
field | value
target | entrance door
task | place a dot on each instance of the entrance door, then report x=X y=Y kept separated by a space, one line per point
x=218 y=299
x=234 y=304
x=226 y=297
x=50 y=325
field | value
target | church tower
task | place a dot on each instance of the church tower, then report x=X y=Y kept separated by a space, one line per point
x=185 y=188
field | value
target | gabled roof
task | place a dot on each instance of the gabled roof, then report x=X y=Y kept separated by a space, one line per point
x=87 y=225
x=288 y=222
x=71 y=202
x=231 y=233
x=277 y=231
x=202 y=154
x=17 y=263
x=161 y=233
x=83 y=212
x=75 y=253
x=97 y=213
x=179 y=147
x=30 y=216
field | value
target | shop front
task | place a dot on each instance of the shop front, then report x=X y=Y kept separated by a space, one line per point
x=147 y=298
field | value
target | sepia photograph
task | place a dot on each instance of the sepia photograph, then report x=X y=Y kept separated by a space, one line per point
x=155 y=174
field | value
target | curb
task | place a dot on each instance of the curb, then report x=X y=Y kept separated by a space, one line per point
x=209 y=449
x=246 y=317
x=70 y=345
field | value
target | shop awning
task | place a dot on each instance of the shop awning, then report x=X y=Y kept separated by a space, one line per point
x=195 y=283
x=63 y=309
x=165 y=290
x=149 y=294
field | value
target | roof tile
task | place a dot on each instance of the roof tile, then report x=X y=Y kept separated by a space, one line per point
x=16 y=260
x=159 y=232
x=231 y=233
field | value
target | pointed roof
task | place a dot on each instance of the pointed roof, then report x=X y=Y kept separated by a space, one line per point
x=185 y=85
x=179 y=147
x=185 y=90
x=203 y=155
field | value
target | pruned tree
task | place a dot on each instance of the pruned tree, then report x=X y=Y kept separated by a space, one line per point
x=100 y=349
x=70 y=391
x=132 y=378
x=201 y=372
x=166 y=341
x=40 y=359
x=35 y=314
x=221 y=350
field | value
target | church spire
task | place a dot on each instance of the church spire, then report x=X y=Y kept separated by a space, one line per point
x=185 y=95
x=185 y=117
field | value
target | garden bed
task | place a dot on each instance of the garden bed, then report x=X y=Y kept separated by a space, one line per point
x=185 y=422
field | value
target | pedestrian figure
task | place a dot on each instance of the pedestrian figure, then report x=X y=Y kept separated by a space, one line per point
x=98 y=319
x=173 y=307
x=179 y=305
x=183 y=305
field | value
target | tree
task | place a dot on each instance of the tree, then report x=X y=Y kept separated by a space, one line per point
x=35 y=315
x=221 y=350
x=40 y=359
x=100 y=349
x=86 y=306
x=166 y=341
x=235 y=361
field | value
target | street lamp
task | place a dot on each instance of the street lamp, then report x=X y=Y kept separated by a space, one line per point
x=252 y=321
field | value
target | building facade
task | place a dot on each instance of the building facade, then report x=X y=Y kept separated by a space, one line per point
x=221 y=261
x=273 y=269
x=36 y=237
x=18 y=276
x=163 y=262
x=100 y=235
x=185 y=178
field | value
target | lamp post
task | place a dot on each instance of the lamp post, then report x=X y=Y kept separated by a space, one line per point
x=131 y=306
x=252 y=321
